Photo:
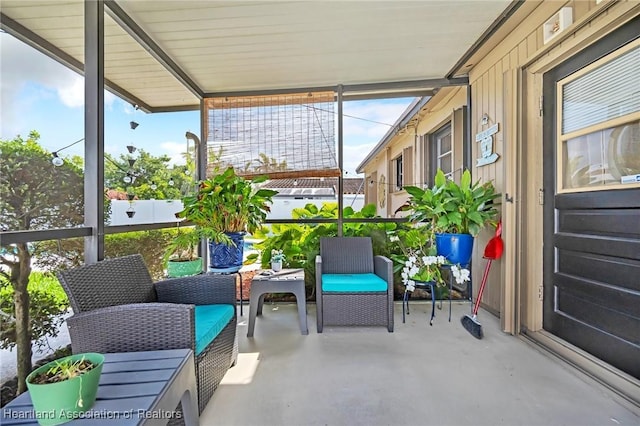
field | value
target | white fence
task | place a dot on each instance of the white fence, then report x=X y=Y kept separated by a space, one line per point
x=160 y=211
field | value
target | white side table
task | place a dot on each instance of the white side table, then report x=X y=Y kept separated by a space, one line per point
x=285 y=281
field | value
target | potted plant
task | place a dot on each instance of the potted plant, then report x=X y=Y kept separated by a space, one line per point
x=224 y=208
x=418 y=260
x=181 y=255
x=457 y=213
x=63 y=389
x=277 y=257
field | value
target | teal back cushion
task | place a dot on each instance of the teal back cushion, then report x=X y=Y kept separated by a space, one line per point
x=210 y=320
x=352 y=283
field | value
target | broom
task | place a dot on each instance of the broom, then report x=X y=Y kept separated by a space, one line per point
x=492 y=251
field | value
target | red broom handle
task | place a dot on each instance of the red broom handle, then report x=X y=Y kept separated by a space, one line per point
x=484 y=282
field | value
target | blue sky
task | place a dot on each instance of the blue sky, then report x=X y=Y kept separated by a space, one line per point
x=37 y=93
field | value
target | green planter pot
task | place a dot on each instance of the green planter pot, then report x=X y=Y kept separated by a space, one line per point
x=61 y=402
x=184 y=268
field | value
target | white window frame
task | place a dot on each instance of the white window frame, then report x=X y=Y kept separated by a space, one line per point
x=563 y=138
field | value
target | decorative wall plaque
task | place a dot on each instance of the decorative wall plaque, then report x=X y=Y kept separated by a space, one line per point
x=487 y=156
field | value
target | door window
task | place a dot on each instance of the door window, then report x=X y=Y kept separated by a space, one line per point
x=599 y=129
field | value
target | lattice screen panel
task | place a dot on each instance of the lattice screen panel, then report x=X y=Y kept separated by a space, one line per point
x=290 y=135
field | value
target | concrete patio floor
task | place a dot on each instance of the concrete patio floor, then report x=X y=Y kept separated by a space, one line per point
x=418 y=375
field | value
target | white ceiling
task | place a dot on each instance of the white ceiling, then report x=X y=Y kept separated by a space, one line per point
x=239 y=46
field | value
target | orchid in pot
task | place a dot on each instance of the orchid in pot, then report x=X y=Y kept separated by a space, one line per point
x=419 y=262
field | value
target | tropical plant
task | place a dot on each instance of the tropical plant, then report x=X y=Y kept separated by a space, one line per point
x=227 y=203
x=300 y=242
x=449 y=207
x=183 y=247
x=418 y=261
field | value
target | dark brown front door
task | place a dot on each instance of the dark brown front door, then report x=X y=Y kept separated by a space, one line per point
x=592 y=231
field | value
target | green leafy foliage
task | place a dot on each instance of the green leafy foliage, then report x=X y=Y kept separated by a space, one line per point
x=150 y=244
x=300 y=243
x=183 y=247
x=34 y=194
x=227 y=203
x=48 y=302
x=64 y=369
x=68 y=253
x=450 y=207
x=150 y=170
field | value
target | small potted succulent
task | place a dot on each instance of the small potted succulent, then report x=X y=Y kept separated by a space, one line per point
x=64 y=388
x=277 y=257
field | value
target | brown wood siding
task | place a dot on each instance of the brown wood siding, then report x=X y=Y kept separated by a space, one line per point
x=488 y=91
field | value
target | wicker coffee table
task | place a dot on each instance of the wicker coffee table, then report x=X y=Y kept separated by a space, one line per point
x=285 y=281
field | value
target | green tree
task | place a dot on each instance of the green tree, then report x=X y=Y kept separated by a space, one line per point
x=153 y=176
x=34 y=194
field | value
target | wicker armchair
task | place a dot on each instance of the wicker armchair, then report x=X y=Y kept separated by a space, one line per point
x=117 y=308
x=339 y=301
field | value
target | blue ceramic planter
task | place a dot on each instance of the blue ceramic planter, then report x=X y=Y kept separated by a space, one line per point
x=226 y=259
x=457 y=248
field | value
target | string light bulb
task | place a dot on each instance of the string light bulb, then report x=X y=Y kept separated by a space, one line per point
x=171 y=182
x=56 y=160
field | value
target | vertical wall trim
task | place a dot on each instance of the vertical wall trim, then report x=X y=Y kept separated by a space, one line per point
x=340 y=160
x=201 y=168
x=468 y=140
x=94 y=129
x=512 y=128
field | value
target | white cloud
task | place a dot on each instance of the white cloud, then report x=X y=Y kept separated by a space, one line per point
x=72 y=94
x=174 y=150
x=127 y=107
x=21 y=65
x=353 y=156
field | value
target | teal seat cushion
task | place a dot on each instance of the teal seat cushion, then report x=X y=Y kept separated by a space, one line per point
x=353 y=283
x=210 y=320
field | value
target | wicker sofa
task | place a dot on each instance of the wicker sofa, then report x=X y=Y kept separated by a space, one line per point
x=353 y=287
x=117 y=308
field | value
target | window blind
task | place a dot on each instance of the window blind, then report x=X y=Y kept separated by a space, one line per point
x=610 y=91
